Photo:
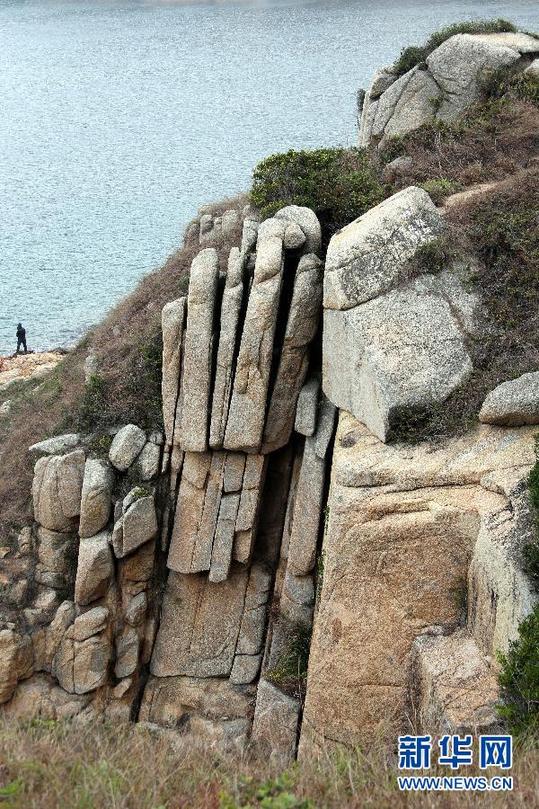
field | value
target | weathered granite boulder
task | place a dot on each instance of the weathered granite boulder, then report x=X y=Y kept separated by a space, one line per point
x=392 y=343
x=137 y=525
x=308 y=223
x=247 y=411
x=58 y=445
x=193 y=425
x=81 y=662
x=301 y=328
x=95 y=505
x=228 y=341
x=405 y=524
x=57 y=490
x=449 y=82
x=367 y=257
x=199 y=625
x=172 y=324
x=148 y=462
x=127 y=652
x=95 y=568
x=400 y=351
x=307 y=407
x=275 y=723
x=460 y=63
x=126 y=445
x=40 y=697
x=455 y=688
x=513 y=403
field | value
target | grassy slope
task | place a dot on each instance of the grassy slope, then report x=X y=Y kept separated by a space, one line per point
x=55 y=765
x=127 y=345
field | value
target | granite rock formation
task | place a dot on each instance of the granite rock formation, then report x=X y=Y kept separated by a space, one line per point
x=442 y=88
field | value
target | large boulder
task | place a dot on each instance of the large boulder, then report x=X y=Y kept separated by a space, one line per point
x=126 y=446
x=95 y=568
x=449 y=82
x=403 y=350
x=513 y=403
x=16 y=661
x=368 y=257
x=419 y=540
x=392 y=342
x=455 y=685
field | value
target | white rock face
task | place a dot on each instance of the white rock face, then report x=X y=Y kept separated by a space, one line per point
x=450 y=83
x=172 y=324
x=198 y=349
x=58 y=445
x=126 y=445
x=137 y=526
x=366 y=258
x=513 y=403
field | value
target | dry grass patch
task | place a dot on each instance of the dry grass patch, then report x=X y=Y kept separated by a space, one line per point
x=62 y=765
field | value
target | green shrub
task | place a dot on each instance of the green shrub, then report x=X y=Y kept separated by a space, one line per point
x=440 y=187
x=505 y=81
x=430 y=258
x=338 y=184
x=133 y=395
x=100 y=444
x=519 y=679
x=414 y=54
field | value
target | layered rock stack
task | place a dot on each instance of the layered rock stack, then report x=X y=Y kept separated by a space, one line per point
x=247 y=489
x=160 y=558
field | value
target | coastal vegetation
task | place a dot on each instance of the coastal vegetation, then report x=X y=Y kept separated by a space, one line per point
x=416 y=54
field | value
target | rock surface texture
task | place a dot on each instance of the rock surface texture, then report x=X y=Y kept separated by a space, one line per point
x=414 y=534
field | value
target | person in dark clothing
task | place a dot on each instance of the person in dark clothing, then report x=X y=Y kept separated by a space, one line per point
x=21 y=338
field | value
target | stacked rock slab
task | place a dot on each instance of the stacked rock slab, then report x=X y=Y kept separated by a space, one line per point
x=232 y=376
x=444 y=87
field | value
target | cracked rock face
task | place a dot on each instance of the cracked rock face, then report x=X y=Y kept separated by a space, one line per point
x=444 y=88
x=414 y=534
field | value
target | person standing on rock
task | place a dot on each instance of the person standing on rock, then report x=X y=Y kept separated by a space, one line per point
x=21 y=338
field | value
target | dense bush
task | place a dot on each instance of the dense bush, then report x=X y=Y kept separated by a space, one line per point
x=338 y=184
x=519 y=679
x=415 y=54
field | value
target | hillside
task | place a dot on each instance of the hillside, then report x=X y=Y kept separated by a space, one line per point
x=281 y=503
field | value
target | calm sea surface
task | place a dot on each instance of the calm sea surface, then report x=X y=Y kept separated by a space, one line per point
x=119 y=119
